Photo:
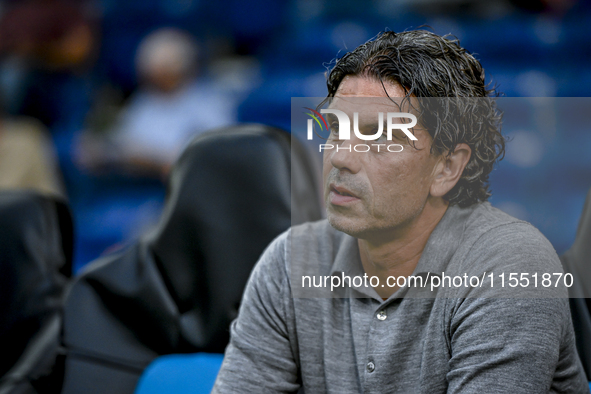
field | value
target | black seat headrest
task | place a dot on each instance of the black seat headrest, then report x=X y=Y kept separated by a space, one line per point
x=577 y=260
x=36 y=234
x=228 y=197
x=178 y=289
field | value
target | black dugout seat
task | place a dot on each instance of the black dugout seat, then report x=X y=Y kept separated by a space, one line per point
x=36 y=239
x=577 y=261
x=179 y=287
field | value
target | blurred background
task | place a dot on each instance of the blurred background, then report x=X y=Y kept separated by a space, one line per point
x=98 y=97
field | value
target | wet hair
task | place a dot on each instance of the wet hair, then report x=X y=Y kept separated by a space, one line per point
x=430 y=66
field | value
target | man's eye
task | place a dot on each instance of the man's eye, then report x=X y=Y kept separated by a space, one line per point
x=382 y=137
x=398 y=136
x=334 y=129
x=373 y=131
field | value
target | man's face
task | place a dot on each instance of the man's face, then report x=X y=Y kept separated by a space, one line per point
x=373 y=195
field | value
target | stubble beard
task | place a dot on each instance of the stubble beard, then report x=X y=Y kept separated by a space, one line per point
x=362 y=225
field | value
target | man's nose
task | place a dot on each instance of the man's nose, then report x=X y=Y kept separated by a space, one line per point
x=344 y=157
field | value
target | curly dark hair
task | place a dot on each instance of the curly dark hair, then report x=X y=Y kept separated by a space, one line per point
x=430 y=66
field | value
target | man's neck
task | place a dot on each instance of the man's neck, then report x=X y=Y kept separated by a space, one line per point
x=399 y=255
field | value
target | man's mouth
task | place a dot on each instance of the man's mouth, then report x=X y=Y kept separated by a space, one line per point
x=340 y=195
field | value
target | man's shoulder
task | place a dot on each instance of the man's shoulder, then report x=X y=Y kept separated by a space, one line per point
x=487 y=223
x=309 y=236
x=318 y=230
x=319 y=235
x=500 y=241
x=305 y=248
x=315 y=246
x=484 y=217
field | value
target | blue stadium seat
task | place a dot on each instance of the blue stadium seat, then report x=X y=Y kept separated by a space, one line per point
x=181 y=373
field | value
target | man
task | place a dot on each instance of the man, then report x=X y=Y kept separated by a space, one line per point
x=417 y=212
x=170 y=107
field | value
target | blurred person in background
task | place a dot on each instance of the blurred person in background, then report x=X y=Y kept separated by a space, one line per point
x=47 y=48
x=27 y=156
x=170 y=106
x=45 y=45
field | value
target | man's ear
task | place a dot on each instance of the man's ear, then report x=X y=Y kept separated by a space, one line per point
x=449 y=170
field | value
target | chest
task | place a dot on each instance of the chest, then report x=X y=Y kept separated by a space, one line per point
x=359 y=345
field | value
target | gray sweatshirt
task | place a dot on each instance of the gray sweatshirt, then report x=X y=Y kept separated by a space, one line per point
x=469 y=337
